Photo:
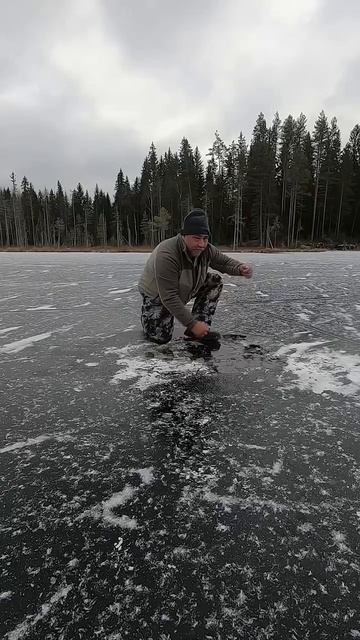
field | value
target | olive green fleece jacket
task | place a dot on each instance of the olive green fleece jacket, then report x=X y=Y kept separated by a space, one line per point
x=175 y=277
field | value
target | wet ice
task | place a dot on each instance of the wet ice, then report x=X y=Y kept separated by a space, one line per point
x=181 y=492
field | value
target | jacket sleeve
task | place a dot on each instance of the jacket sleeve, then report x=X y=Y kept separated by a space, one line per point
x=167 y=276
x=220 y=262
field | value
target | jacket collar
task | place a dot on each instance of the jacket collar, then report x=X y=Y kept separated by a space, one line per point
x=184 y=248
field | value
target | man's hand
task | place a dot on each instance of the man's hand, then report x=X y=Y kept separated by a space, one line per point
x=200 y=329
x=246 y=270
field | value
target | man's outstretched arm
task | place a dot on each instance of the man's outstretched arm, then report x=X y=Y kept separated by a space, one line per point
x=221 y=262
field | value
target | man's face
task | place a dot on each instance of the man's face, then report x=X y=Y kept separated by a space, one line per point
x=196 y=244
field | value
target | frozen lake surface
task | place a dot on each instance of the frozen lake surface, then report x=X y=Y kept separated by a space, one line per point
x=160 y=492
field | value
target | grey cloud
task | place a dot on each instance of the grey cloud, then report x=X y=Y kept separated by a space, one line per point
x=158 y=32
x=51 y=128
x=27 y=30
x=42 y=148
x=339 y=15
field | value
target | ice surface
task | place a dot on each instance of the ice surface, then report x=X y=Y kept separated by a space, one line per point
x=23 y=628
x=324 y=369
x=149 y=371
x=8 y=329
x=175 y=491
x=20 y=345
x=119 y=291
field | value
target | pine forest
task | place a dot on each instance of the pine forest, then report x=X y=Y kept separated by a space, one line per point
x=287 y=187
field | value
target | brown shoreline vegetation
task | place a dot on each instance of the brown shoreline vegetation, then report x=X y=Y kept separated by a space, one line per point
x=147 y=249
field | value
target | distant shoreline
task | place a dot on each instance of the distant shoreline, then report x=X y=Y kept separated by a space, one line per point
x=147 y=249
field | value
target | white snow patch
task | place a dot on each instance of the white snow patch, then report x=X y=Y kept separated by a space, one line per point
x=73 y=563
x=277 y=467
x=20 y=345
x=85 y=304
x=91 y=364
x=120 y=291
x=3 y=331
x=250 y=446
x=339 y=539
x=263 y=295
x=6 y=595
x=68 y=284
x=44 y=307
x=146 y=474
x=30 y=621
x=152 y=371
x=338 y=536
x=303 y=316
x=132 y=326
x=105 y=510
x=305 y=527
x=117 y=500
x=320 y=370
x=118 y=545
x=245 y=503
x=24 y=443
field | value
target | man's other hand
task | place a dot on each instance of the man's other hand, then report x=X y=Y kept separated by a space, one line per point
x=200 y=329
x=246 y=270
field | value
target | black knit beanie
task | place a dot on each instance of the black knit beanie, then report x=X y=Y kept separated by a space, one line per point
x=196 y=224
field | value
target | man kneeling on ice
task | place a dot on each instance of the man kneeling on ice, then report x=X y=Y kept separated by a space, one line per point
x=176 y=272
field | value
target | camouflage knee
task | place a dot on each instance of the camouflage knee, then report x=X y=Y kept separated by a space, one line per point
x=207 y=298
x=157 y=322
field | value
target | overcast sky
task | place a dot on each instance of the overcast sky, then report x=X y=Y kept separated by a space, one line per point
x=86 y=85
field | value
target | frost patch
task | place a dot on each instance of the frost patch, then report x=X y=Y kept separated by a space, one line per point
x=146 y=474
x=105 y=510
x=149 y=371
x=252 y=502
x=23 y=444
x=30 y=621
x=251 y=446
x=20 y=345
x=320 y=370
x=45 y=307
x=339 y=539
x=305 y=527
x=117 y=500
x=119 y=291
x=277 y=467
x=132 y=326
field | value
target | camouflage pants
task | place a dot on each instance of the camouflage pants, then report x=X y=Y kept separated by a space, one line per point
x=157 y=321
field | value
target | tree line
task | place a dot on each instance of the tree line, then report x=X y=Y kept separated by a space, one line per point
x=287 y=187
